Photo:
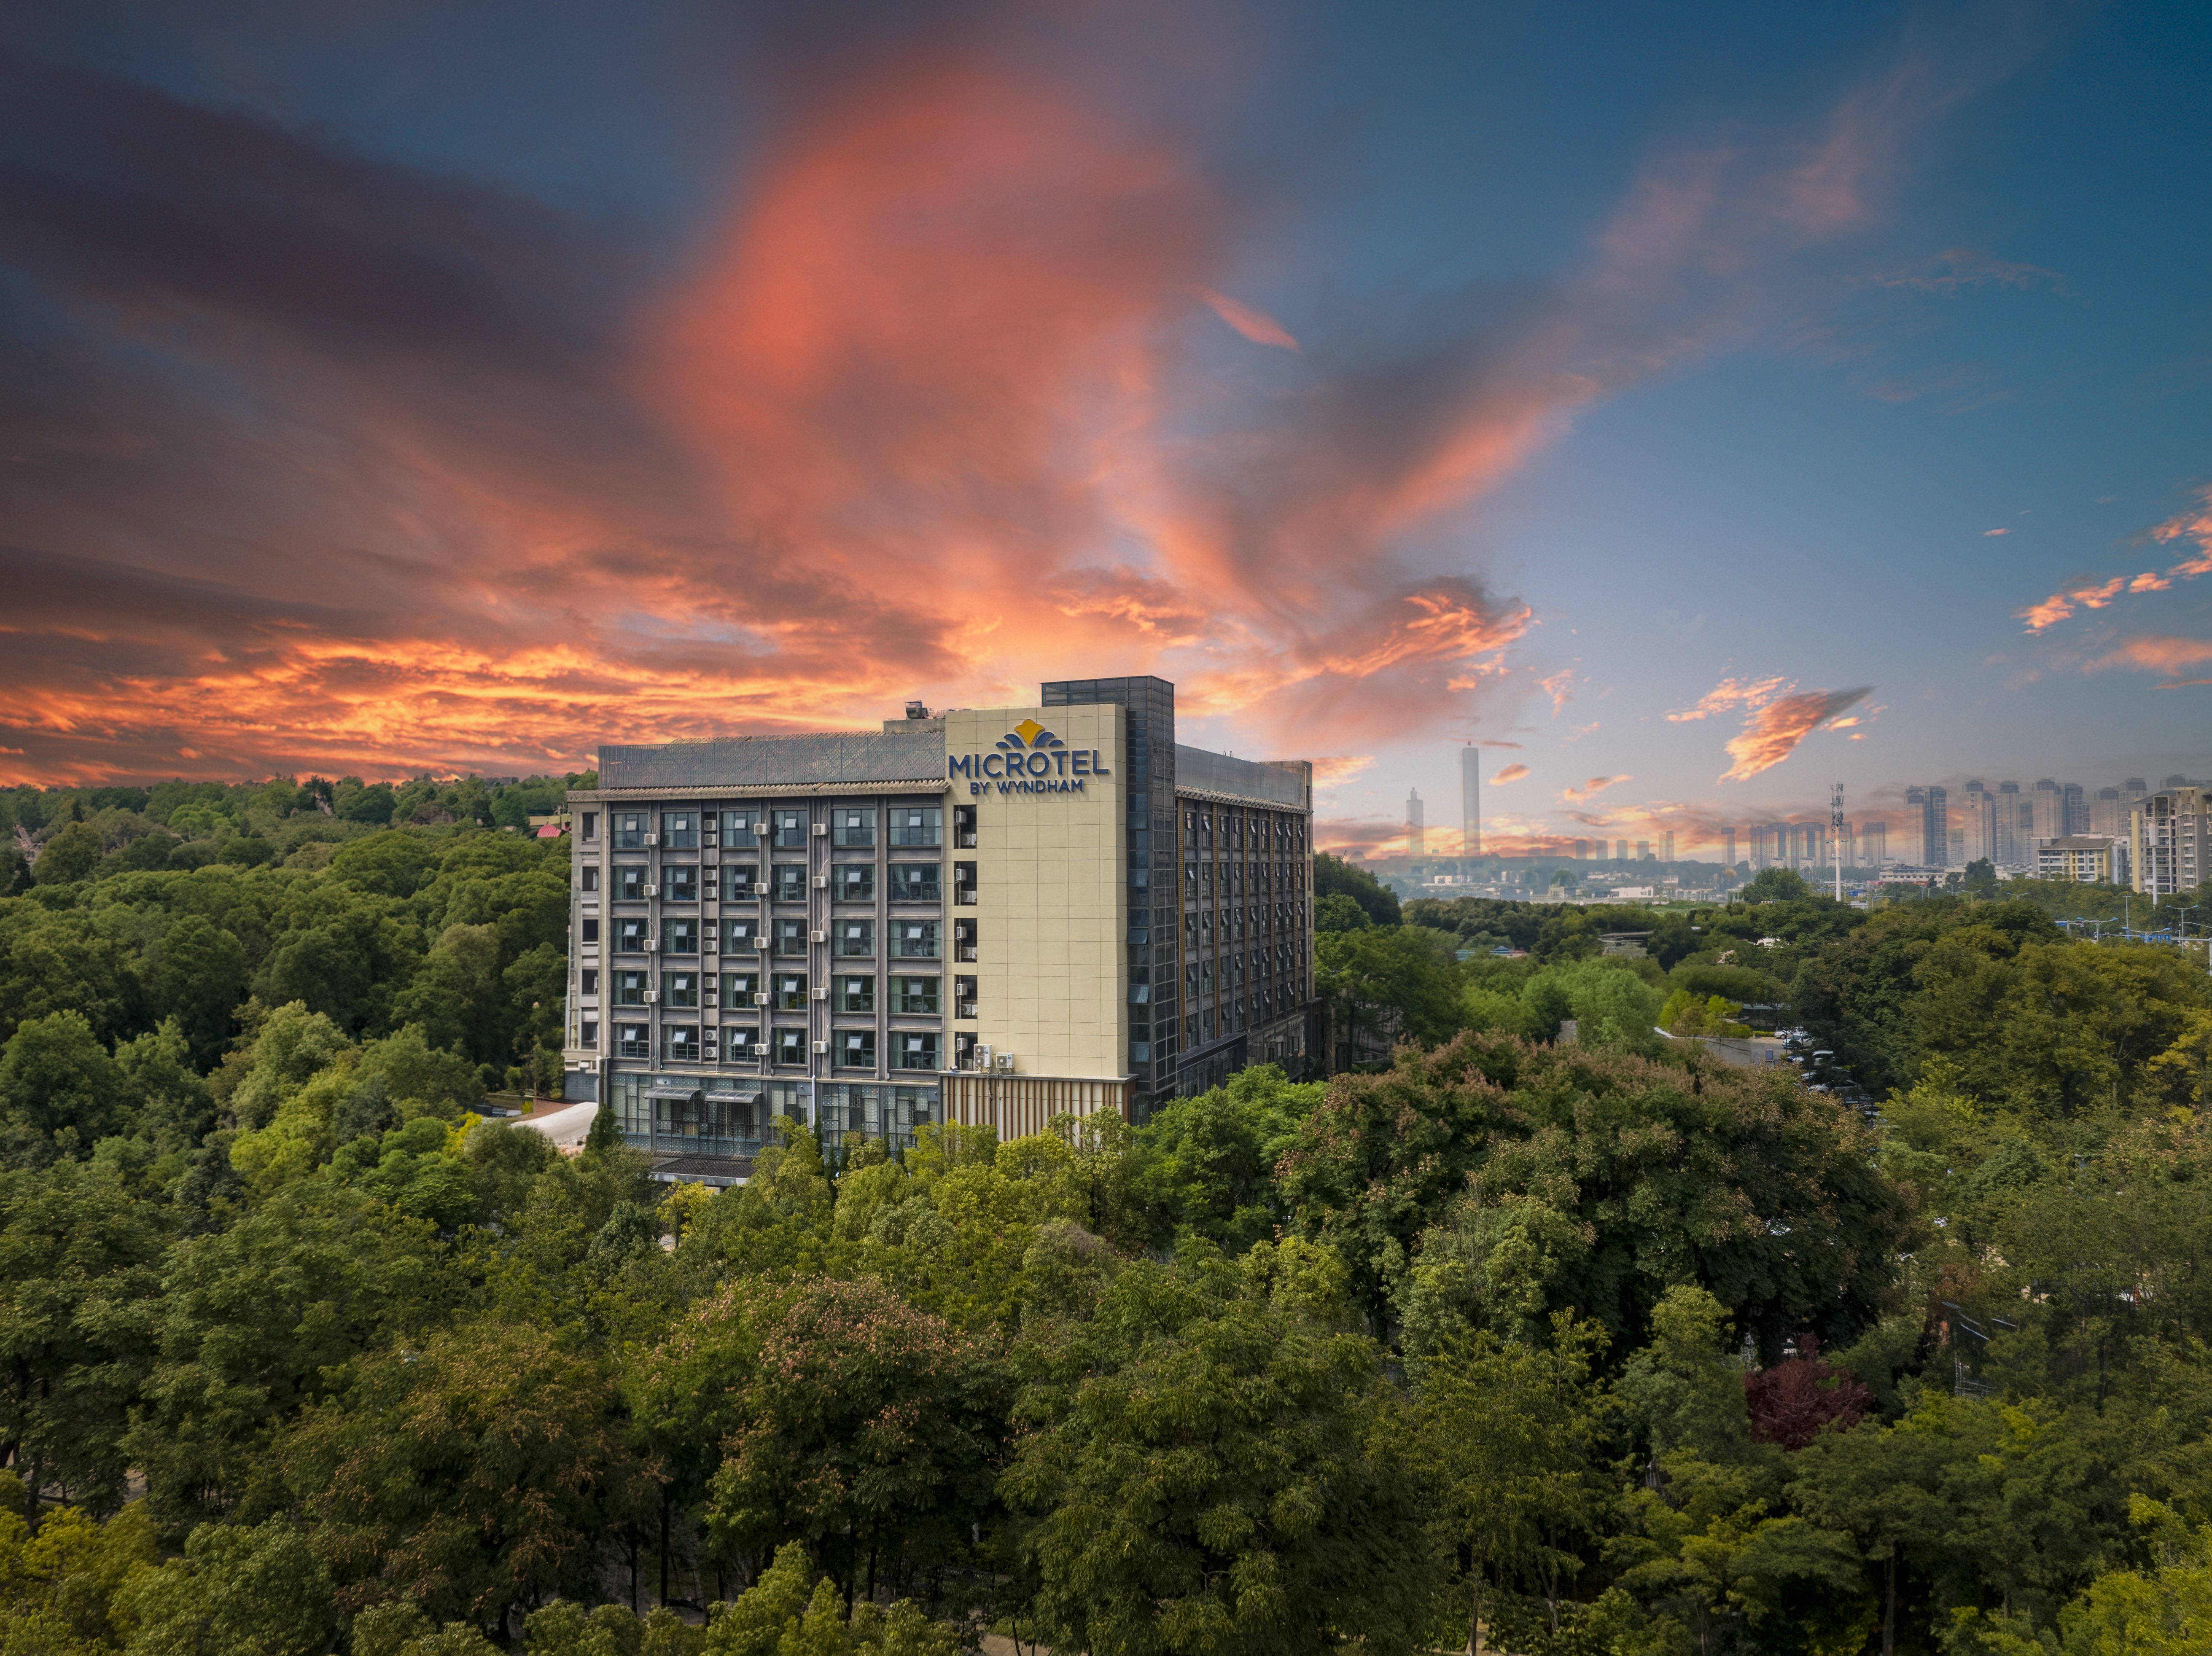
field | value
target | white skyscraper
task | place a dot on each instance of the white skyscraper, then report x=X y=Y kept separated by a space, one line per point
x=1416 y=833
x=1470 y=800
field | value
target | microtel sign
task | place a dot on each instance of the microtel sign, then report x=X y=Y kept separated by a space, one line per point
x=1029 y=759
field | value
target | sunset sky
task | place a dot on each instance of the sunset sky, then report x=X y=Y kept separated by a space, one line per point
x=1694 y=405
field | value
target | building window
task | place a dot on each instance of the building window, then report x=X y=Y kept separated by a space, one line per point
x=790 y=883
x=964 y=827
x=591 y=876
x=680 y=1042
x=1190 y=980
x=739 y=988
x=741 y=936
x=590 y=825
x=591 y=981
x=917 y=882
x=679 y=882
x=591 y=928
x=1189 y=933
x=790 y=830
x=629 y=830
x=741 y=1044
x=681 y=937
x=917 y=1048
x=1205 y=927
x=915 y=940
x=916 y=996
x=917 y=826
x=791 y=1047
x=587 y=1032
x=680 y=829
x=1190 y=880
x=856 y=994
x=630 y=883
x=629 y=937
x=856 y=1049
x=853 y=882
x=680 y=988
x=963 y=998
x=1206 y=977
x=854 y=938
x=790 y=991
x=737 y=828
x=633 y=1041
x=630 y=987
x=791 y=936
x=851 y=827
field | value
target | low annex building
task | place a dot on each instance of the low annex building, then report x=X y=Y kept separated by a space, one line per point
x=981 y=916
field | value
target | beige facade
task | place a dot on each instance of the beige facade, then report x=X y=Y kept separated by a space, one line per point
x=1051 y=905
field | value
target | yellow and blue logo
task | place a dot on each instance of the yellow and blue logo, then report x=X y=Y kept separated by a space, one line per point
x=1027 y=759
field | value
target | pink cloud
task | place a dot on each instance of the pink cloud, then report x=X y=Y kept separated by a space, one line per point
x=1728 y=694
x=1596 y=784
x=1772 y=734
x=1986 y=533
x=1510 y=774
x=1256 y=325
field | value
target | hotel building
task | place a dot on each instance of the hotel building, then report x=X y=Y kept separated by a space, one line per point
x=985 y=917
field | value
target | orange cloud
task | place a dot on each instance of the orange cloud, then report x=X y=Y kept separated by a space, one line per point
x=1986 y=533
x=1594 y=785
x=1731 y=693
x=1256 y=325
x=1333 y=768
x=1510 y=774
x=1772 y=734
x=2157 y=655
x=2195 y=524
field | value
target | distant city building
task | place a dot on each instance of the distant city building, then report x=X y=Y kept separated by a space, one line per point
x=1582 y=850
x=2073 y=808
x=1727 y=846
x=1470 y=801
x=1668 y=837
x=1416 y=831
x=1620 y=851
x=2108 y=814
x=1911 y=874
x=1873 y=844
x=2088 y=859
x=1977 y=823
x=2004 y=825
x=2169 y=851
x=2050 y=820
x=1642 y=850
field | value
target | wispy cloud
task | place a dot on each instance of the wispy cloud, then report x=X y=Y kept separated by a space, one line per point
x=1255 y=324
x=1510 y=774
x=2192 y=523
x=1730 y=693
x=1594 y=785
x=1961 y=269
x=1987 y=532
x=1772 y=734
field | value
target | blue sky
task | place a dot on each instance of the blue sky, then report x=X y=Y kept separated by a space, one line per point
x=392 y=388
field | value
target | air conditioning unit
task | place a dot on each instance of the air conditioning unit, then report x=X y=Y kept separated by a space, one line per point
x=982 y=1050
x=760 y=998
x=819 y=936
x=1002 y=1061
x=712 y=944
x=822 y=882
x=820 y=994
x=761 y=828
x=653 y=839
x=760 y=887
x=821 y=830
x=651 y=890
x=651 y=945
x=711 y=1000
x=821 y=1046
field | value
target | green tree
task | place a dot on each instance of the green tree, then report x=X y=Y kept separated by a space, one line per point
x=238 y=1591
x=71 y=855
x=197 y=976
x=1334 y=877
x=1214 y=1466
x=829 y=1413
x=472 y=1473
x=60 y=1092
x=1771 y=885
x=1207 y=1163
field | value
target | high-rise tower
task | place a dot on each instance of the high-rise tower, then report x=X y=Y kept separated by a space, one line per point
x=1470 y=801
x=1416 y=832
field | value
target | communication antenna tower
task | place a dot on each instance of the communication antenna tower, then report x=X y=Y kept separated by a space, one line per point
x=1836 y=832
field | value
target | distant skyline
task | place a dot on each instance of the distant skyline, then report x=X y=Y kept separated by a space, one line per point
x=1693 y=407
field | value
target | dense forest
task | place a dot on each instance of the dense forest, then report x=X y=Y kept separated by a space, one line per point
x=1588 y=1344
